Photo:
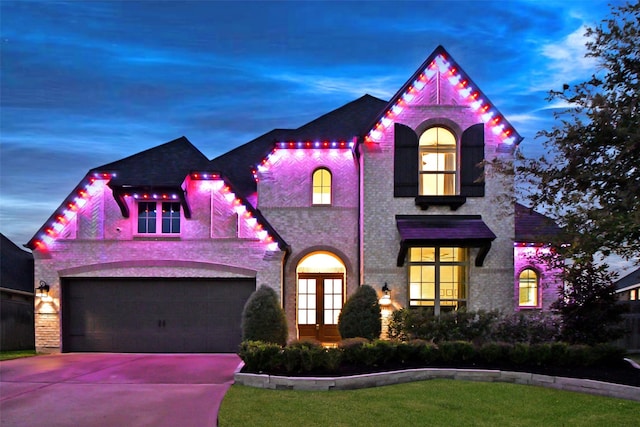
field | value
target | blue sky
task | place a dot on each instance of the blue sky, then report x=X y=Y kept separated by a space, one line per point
x=87 y=83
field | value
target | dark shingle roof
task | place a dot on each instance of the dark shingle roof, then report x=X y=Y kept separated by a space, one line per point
x=166 y=165
x=533 y=227
x=630 y=279
x=343 y=123
x=16 y=266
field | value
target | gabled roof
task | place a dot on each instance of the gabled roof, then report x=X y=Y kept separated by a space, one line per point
x=16 y=266
x=343 y=123
x=166 y=165
x=630 y=281
x=533 y=227
x=469 y=94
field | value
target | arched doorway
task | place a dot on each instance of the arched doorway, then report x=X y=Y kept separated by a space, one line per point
x=319 y=296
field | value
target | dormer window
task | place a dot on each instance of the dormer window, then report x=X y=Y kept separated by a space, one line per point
x=437 y=162
x=321 y=187
x=149 y=222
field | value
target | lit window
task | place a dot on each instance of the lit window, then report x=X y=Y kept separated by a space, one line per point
x=148 y=218
x=437 y=167
x=322 y=187
x=437 y=278
x=528 y=288
x=633 y=295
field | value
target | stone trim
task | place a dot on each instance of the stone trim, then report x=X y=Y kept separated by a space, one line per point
x=354 y=382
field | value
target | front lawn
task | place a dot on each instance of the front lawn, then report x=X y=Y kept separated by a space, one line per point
x=7 y=355
x=433 y=402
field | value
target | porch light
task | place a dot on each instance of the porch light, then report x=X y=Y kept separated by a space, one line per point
x=386 y=298
x=42 y=291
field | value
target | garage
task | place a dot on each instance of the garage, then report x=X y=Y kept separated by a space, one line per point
x=155 y=315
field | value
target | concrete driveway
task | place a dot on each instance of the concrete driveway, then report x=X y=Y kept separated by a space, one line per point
x=99 y=389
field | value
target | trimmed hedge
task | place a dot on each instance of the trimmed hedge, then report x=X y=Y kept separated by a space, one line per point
x=360 y=355
x=263 y=318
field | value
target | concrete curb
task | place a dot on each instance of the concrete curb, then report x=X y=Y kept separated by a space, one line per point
x=353 y=382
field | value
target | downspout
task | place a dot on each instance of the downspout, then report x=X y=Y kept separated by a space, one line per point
x=360 y=164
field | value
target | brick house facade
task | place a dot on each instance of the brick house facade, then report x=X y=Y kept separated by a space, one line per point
x=160 y=250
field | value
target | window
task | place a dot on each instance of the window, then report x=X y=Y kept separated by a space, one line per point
x=437 y=278
x=437 y=162
x=528 y=288
x=633 y=295
x=148 y=219
x=321 y=187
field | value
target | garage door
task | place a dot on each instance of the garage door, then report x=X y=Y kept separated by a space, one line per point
x=153 y=315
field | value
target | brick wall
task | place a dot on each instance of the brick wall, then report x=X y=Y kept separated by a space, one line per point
x=490 y=286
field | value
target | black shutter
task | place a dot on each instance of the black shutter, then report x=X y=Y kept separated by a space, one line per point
x=405 y=162
x=472 y=154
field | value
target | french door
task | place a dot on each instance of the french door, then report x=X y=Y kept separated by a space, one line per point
x=320 y=299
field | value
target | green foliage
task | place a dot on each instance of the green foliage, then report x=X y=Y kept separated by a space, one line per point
x=494 y=352
x=590 y=183
x=361 y=315
x=353 y=350
x=588 y=306
x=303 y=357
x=478 y=327
x=457 y=352
x=260 y=356
x=263 y=319
x=526 y=327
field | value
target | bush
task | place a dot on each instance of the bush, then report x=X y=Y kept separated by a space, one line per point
x=409 y=352
x=260 y=356
x=526 y=327
x=303 y=356
x=263 y=319
x=494 y=352
x=361 y=315
x=457 y=351
x=353 y=350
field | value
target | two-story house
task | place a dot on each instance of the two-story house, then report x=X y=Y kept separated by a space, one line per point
x=159 y=251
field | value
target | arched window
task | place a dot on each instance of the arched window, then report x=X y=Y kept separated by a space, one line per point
x=528 y=288
x=437 y=162
x=321 y=187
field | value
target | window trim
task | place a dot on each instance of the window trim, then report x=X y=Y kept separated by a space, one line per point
x=322 y=186
x=437 y=264
x=434 y=149
x=538 y=302
x=159 y=219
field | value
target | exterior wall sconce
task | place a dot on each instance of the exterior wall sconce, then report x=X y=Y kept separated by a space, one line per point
x=42 y=291
x=386 y=298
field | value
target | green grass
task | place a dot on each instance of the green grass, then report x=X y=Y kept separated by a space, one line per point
x=7 y=355
x=433 y=403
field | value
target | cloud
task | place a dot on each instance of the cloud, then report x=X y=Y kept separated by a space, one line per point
x=567 y=62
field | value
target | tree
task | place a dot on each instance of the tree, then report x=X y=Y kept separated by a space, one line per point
x=592 y=184
x=263 y=319
x=361 y=315
x=587 y=305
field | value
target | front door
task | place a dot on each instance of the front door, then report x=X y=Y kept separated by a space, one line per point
x=320 y=298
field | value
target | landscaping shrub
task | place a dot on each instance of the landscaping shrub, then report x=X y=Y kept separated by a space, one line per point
x=519 y=353
x=526 y=327
x=494 y=352
x=303 y=356
x=409 y=352
x=353 y=350
x=263 y=319
x=456 y=351
x=261 y=356
x=361 y=315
